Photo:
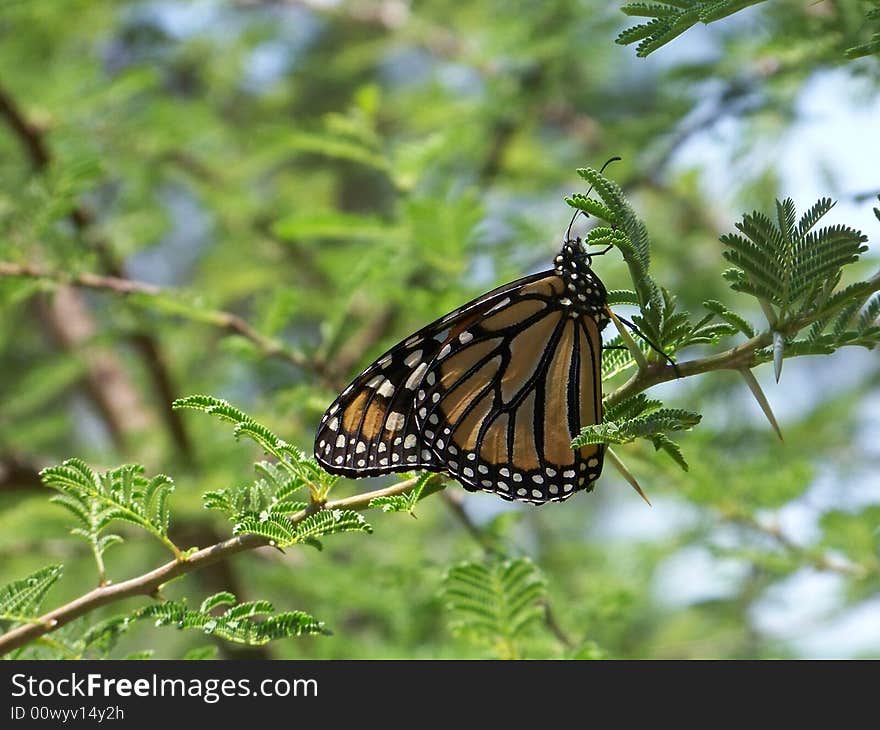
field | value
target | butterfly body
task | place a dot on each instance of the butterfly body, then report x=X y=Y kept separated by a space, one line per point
x=491 y=394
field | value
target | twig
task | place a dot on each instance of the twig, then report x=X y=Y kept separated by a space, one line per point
x=227 y=321
x=150 y=583
x=30 y=135
x=817 y=560
x=555 y=628
x=17 y=473
x=453 y=501
x=70 y=323
x=347 y=357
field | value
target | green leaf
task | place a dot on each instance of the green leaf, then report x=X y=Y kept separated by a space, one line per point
x=275 y=486
x=403 y=502
x=732 y=318
x=672 y=18
x=664 y=420
x=329 y=522
x=235 y=624
x=495 y=603
x=790 y=265
x=277 y=530
x=124 y=493
x=21 y=600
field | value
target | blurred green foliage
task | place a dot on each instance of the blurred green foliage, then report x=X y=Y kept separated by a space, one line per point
x=305 y=183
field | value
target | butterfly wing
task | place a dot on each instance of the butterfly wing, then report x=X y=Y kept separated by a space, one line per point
x=492 y=394
x=371 y=428
x=502 y=411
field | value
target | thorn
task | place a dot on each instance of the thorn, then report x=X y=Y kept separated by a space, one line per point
x=778 y=349
x=755 y=387
x=630 y=343
x=626 y=474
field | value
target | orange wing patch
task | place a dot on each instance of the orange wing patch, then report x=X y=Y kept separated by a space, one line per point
x=525 y=453
x=557 y=436
x=525 y=355
x=589 y=381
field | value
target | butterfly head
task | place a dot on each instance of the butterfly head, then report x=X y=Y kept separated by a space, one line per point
x=585 y=293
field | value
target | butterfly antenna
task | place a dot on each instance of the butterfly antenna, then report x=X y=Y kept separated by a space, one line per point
x=654 y=347
x=570 y=224
x=578 y=211
x=608 y=162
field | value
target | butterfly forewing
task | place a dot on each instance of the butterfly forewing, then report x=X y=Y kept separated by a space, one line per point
x=492 y=393
x=371 y=428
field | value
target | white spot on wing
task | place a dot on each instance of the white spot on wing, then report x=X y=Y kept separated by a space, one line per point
x=413 y=358
x=465 y=337
x=395 y=421
x=416 y=376
x=503 y=303
x=386 y=389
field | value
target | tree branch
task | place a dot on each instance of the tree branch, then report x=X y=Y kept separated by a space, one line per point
x=30 y=135
x=32 y=140
x=231 y=323
x=741 y=356
x=818 y=560
x=150 y=583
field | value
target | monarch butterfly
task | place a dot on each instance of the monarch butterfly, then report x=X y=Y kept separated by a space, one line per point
x=491 y=394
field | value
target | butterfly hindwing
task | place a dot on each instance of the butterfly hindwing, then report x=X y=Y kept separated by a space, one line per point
x=505 y=406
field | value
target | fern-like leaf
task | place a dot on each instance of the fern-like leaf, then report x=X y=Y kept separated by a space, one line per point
x=121 y=494
x=239 y=623
x=791 y=265
x=21 y=599
x=495 y=603
x=670 y=19
x=642 y=418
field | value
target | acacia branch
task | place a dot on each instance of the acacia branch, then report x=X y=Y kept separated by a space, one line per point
x=743 y=355
x=231 y=323
x=150 y=583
